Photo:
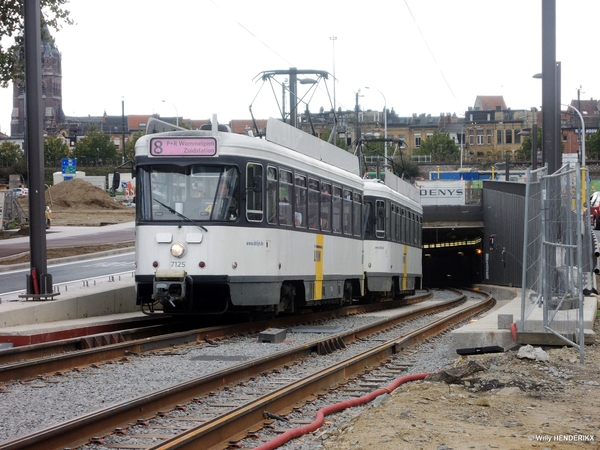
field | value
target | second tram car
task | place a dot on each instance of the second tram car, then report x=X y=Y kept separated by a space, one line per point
x=230 y=222
x=392 y=237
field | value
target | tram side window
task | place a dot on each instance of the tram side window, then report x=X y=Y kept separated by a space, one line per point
x=357 y=214
x=388 y=220
x=313 y=204
x=368 y=220
x=226 y=198
x=415 y=230
x=347 y=211
x=393 y=223
x=337 y=209
x=271 y=195
x=408 y=228
x=398 y=224
x=285 y=193
x=412 y=228
x=325 y=207
x=404 y=227
x=380 y=219
x=300 y=201
x=254 y=207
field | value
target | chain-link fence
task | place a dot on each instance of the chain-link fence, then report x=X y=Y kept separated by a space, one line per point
x=557 y=255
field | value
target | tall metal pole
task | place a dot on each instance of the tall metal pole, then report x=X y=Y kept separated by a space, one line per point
x=549 y=91
x=123 y=129
x=283 y=86
x=333 y=39
x=34 y=139
x=558 y=131
x=293 y=96
x=534 y=146
x=385 y=153
x=357 y=133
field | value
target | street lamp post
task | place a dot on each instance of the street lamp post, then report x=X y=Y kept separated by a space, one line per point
x=582 y=133
x=176 y=113
x=385 y=162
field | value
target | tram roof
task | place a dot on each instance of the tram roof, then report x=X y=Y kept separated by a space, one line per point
x=287 y=136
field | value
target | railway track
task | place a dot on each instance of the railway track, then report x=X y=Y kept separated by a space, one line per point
x=231 y=404
x=60 y=355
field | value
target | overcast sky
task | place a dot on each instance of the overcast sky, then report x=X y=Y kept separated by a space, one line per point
x=423 y=56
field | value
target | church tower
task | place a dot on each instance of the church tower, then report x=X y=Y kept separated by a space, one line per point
x=51 y=93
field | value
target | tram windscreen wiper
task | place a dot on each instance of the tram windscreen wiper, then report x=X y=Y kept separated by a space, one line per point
x=178 y=214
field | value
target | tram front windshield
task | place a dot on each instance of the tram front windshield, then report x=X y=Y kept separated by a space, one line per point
x=200 y=193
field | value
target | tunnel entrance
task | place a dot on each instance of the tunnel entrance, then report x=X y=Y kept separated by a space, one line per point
x=452 y=255
x=454 y=261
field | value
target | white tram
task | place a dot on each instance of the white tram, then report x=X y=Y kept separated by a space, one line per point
x=392 y=237
x=227 y=221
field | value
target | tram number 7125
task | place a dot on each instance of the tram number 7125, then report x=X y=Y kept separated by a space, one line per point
x=177 y=264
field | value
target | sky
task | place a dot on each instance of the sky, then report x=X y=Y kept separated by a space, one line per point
x=196 y=58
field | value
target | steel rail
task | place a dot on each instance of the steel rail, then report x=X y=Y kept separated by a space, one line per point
x=78 y=431
x=210 y=435
x=50 y=357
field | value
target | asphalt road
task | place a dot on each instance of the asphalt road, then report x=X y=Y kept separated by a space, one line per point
x=88 y=267
x=69 y=273
x=57 y=237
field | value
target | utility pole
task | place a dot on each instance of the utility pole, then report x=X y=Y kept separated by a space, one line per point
x=39 y=282
x=123 y=129
x=283 y=86
x=550 y=90
x=333 y=39
x=357 y=128
x=293 y=96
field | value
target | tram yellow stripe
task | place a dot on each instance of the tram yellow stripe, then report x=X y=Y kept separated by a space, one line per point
x=319 y=252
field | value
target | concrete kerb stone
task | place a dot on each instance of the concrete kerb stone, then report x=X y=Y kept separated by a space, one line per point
x=486 y=331
x=105 y=298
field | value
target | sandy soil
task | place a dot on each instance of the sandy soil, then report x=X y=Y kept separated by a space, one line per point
x=78 y=203
x=508 y=403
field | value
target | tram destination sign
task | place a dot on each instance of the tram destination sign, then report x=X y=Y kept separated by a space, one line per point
x=184 y=146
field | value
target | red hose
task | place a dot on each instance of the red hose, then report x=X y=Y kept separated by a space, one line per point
x=34 y=278
x=513 y=331
x=296 y=432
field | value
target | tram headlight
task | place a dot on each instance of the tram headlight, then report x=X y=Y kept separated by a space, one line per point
x=177 y=250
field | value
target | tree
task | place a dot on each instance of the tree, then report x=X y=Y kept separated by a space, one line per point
x=403 y=167
x=592 y=146
x=12 y=63
x=12 y=160
x=440 y=146
x=10 y=154
x=341 y=143
x=130 y=145
x=55 y=150
x=95 y=147
x=524 y=152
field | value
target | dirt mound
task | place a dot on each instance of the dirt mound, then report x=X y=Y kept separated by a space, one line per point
x=79 y=194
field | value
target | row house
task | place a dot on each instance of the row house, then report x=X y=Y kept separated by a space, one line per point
x=489 y=130
x=570 y=124
x=493 y=131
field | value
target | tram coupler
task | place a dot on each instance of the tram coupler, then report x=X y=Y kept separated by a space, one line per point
x=169 y=285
